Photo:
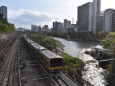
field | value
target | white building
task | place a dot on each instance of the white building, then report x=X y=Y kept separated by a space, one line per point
x=96 y=12
x=3 y=11
x=67 y=24
x=109 y=20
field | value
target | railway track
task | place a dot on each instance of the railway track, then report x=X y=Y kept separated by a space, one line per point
x=27 y=70
x=60 y=81
x=9 y=53
x=5 y=45
x=30 y=72
x=54 y=79
x=22 y=68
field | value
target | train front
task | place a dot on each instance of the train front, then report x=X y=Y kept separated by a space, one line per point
x=56 y=65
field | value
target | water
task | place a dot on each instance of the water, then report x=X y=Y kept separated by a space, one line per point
x=92 y=72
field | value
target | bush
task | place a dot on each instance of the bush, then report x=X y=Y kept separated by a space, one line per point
x=72 y=63
x=6 y=27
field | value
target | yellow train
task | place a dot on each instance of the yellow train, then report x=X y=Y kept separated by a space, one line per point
x=51 y=61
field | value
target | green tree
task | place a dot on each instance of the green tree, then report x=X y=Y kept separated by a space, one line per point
x=101 y=34
x=109 y=42
x=58 y=34
x=48 y=42
x=5 y=27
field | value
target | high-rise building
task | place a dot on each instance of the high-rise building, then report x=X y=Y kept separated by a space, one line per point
x=55 y=26
x=96 y=12
x=67 y=24
x=35 y=28
x=100 y=22
x=85 y=15
x=58 y=26
x=3 y=11
x=45 y=28
x=109 y=20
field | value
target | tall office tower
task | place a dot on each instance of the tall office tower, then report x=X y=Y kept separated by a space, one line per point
x=85 y=15
x=35 y=28
x=96 y=12
x=45 y=28
x=57 y=26
x=67 y=24
x=109 y=20
x=3 y=11
x=100 y=22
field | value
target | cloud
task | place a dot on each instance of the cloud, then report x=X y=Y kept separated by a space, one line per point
x=24 y=18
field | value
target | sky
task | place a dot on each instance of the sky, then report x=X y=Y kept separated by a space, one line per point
x=23 y=13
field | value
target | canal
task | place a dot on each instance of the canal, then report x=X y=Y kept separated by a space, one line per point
x=92 y=72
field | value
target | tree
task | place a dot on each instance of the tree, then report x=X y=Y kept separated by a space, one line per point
x=48 y=42
x=52 y=44
x=109 y=42
x=101 y=34
x=5 y=27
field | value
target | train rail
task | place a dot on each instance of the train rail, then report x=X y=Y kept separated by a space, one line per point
x=27 y=69
x=5 y=72
x=54 y=79
x=60 y=81
x=3 y=43
x=5 y=47
x=30 y=73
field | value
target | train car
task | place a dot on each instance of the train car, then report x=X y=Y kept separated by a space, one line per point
x=50 y=60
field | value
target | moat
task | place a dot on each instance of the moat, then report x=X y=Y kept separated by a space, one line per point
x=92 y=72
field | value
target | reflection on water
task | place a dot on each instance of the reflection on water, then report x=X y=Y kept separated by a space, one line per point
x=92 y=72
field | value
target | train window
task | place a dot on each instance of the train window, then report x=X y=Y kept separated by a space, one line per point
x=56 y=62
